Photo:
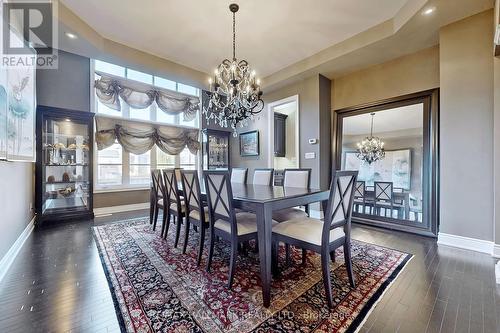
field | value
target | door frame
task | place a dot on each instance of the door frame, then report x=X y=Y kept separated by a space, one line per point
x=430 y=164
x=270 y=128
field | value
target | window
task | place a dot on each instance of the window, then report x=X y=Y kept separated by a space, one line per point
x=139 y=170
x=109 y=169
x=153 y=113
x=164 y=161
x=119 y=169
x=187 y=160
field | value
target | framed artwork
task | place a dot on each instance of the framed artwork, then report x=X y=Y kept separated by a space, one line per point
x=249 y=143
x=21 y=110
x=395 y=168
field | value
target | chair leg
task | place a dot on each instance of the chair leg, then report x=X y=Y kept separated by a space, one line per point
x=232 y=262
x=348 y=263
x=178 y=220
x=325 y=267
x=186 y=236
x=151 y=211
x=202 y=243
x=332 y=256
x=304 y=257
x=287 y=255
x=155 y=217
x=165 y=221
x=210 y=249
x=274 y=258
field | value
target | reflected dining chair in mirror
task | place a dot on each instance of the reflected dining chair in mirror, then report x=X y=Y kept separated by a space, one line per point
x=384 y=198
x=196 y=213
x=324 y=237
x=225 y=223
x=155 y=197
x=172 y=200
x=359 y=197
x=239 y=175
x=263 y=177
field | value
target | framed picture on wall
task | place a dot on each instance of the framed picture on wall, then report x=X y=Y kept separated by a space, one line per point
x=249 y=143
x=21 y=109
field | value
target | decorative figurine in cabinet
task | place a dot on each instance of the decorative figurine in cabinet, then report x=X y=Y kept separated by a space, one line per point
x=63 y=164
x=215 y=148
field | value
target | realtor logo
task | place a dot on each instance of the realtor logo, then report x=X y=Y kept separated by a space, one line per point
x=29 y=33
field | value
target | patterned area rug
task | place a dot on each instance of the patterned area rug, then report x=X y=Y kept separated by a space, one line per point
x=156 y=288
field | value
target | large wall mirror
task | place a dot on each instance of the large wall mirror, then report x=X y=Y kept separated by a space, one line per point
x=394 y=146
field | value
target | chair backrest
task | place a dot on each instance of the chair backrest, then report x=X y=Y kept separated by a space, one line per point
x=239 y=175
x=383 y=191
x=220 y=198
x=178 y=175
x=263 y=177
x=171 y=192
x=300 y=178
x=359 y=190
x=339 y=208
x=156 y=184
x=192 y=192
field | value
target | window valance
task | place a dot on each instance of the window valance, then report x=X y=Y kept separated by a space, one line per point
x=109 y=89
x=138 y=138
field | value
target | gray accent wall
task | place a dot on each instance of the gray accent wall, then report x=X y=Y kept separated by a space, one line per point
x=66 y=87
x=314 y=122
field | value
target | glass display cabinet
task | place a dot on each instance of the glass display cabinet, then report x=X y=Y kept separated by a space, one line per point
x=216 y=149
x=64 y=164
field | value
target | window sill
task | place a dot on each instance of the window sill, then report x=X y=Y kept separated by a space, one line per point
x=121 y=189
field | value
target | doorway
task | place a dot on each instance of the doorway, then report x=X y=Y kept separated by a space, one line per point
x=283 y=129
x=394 y=146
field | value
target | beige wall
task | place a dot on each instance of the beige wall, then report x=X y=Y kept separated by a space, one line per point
x=496 y=137
x=310 y=91
x=408 y=74
x=466 y=112
x=16 y=196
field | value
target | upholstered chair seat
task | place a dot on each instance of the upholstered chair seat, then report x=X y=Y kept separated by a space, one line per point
x=246 y=224
x=173 y=207
x=195 y=214
x=306 y=229
x=289 y=214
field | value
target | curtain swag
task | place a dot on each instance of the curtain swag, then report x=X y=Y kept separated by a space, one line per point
x=138 y=138
x=110 y=89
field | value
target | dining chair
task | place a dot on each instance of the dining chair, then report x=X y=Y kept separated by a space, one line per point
x=383 y=197
x=324 y=237
x=239 y=175
x=155 y=197
x=300 y=178
x=176 y=207
x=359 y=196
x=263 y=177
x=196 y=212
x=224 y=222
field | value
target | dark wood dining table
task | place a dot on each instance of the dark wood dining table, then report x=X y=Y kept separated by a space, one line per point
x=263 y=200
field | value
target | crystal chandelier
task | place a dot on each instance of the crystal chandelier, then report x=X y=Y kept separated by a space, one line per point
x=235 y=95
x=371 y=149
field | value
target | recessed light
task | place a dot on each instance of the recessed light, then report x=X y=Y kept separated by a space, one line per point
x=71 y=35
x=429 y=11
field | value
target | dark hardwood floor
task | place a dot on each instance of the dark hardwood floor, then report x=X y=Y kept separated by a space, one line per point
x=57 y=284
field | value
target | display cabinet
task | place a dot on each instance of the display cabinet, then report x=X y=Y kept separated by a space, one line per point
x=215 y=148
x=64 y=161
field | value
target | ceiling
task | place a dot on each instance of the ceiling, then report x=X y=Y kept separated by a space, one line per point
x=197 y=33
x=391 y=120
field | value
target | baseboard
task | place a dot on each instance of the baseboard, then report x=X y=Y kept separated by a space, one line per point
x=496 y=251
x=9 y=257
x=466 y=243
x=121 y=208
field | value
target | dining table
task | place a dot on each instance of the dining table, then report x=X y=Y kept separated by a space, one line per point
x=263 y=200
